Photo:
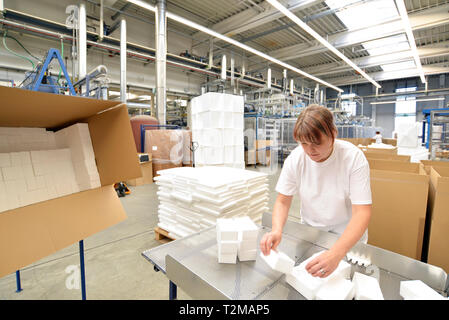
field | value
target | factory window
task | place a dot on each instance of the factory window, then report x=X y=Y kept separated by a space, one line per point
x=405 y=110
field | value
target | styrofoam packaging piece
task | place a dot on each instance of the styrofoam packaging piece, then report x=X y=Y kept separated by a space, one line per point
x=226 y=230
x=16 y=160
x=366 y=287
x=5 y=160
x=343 y=269
x=304 y=282
x=228 y=258
x=13 y=173
x=227 y=247
x=418 y=290
x=336 y=288
x=278 y=261
x=247 y=245
x=248 y=255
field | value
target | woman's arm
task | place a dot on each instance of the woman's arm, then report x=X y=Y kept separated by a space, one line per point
x=329 y=260
x=280 y=213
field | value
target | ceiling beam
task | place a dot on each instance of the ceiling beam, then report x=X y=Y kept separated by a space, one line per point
x=437 y=68
x=427 y=51
x=427 y=18
x=249 y=19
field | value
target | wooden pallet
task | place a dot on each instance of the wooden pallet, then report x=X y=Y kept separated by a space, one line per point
x=162 y=235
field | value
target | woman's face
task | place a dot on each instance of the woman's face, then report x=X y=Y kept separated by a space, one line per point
x=319 y=152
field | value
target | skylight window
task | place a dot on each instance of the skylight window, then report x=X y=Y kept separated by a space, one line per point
x=387 y=45
x=359 y=15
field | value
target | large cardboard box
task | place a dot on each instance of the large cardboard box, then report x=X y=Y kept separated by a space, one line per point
x=399 y=193
x=384 y=156
x=438 y=247
x=368 y=141
x=33 y=232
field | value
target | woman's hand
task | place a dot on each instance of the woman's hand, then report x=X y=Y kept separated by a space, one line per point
x=326 y=263
x=270 y=241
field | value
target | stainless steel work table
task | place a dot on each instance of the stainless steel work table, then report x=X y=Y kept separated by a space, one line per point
x=192 y=264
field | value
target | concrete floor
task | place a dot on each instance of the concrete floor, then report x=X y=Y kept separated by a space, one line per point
x=114 y=266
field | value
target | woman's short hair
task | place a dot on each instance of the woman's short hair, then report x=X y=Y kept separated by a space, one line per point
x=312 y=123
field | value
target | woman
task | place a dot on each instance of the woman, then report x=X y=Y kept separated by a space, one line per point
x=331 y=178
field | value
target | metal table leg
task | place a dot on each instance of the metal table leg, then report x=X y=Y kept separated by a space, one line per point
x=173 y=291
x=83 y=275
x=19 y=288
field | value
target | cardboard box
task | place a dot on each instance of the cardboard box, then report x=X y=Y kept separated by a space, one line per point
x=162 y=166
x=399 y=193
x=393 y=151
x=146 y=169
x=260 y=155
x=434 y=163
x=384 y=156
x=368 y=141
x=33 y=232
x=438 y=222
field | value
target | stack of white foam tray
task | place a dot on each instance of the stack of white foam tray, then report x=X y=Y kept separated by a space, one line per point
x=217 y=127
x=236 y=237
x=38 y=165
x=192 y=199
x=366 y=287
x=418 y=290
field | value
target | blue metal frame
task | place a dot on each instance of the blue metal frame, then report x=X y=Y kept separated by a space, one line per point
x=142 y=132
x=426 y=113
x=19 y=287
x=172 y=291
x=37 y=85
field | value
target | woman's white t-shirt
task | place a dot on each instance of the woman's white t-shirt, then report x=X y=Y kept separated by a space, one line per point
x=327 y=190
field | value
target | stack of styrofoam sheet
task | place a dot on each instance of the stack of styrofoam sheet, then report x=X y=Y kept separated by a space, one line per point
x=366 y=287
x=418 y=290
x=217 y=127
x=77 y=139
x=38 y=165
x=236 y=237
x=15 y=139
x=279 y=261
x=192 y=199
x=34 y=176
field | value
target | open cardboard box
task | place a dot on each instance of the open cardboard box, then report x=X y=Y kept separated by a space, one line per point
x=399 y=192
x=30 y=233
x=383 y=156
x=434 y=163
x=436 y=251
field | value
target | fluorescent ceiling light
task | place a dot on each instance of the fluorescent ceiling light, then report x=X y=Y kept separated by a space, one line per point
x=417 y=100
x=234 y=42
x=411 y=39
x=398 y=66
x=312 y=32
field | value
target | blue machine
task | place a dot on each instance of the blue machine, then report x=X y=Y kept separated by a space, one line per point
x=33 y=79
x=426 y=113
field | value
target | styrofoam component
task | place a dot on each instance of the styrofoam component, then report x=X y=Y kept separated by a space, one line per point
x=227 y=247
x=247 y=245
x=228 y=258
x=366 y=287
x=248 y=255
x=279 y=261
x=336 y=288
x=418 y=290
x=226 y=230
x=343 y=269
x=12 y=173
x=303 y=282
x=5 y=160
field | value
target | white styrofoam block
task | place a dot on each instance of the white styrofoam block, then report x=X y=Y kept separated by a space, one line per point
x=31 y=183
x=25 y=158
x=279 y=261
x=306 y=284
x=336 y=288
x=247 y=255
x=227 y=247
x=226 y=230
x=40 y=182
x=366 y=287
x=15 y=159
x=27 y=170
x=12 y=173
x=418 y=290
x=246 y=245
x=5 y=160
x=228 y=258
